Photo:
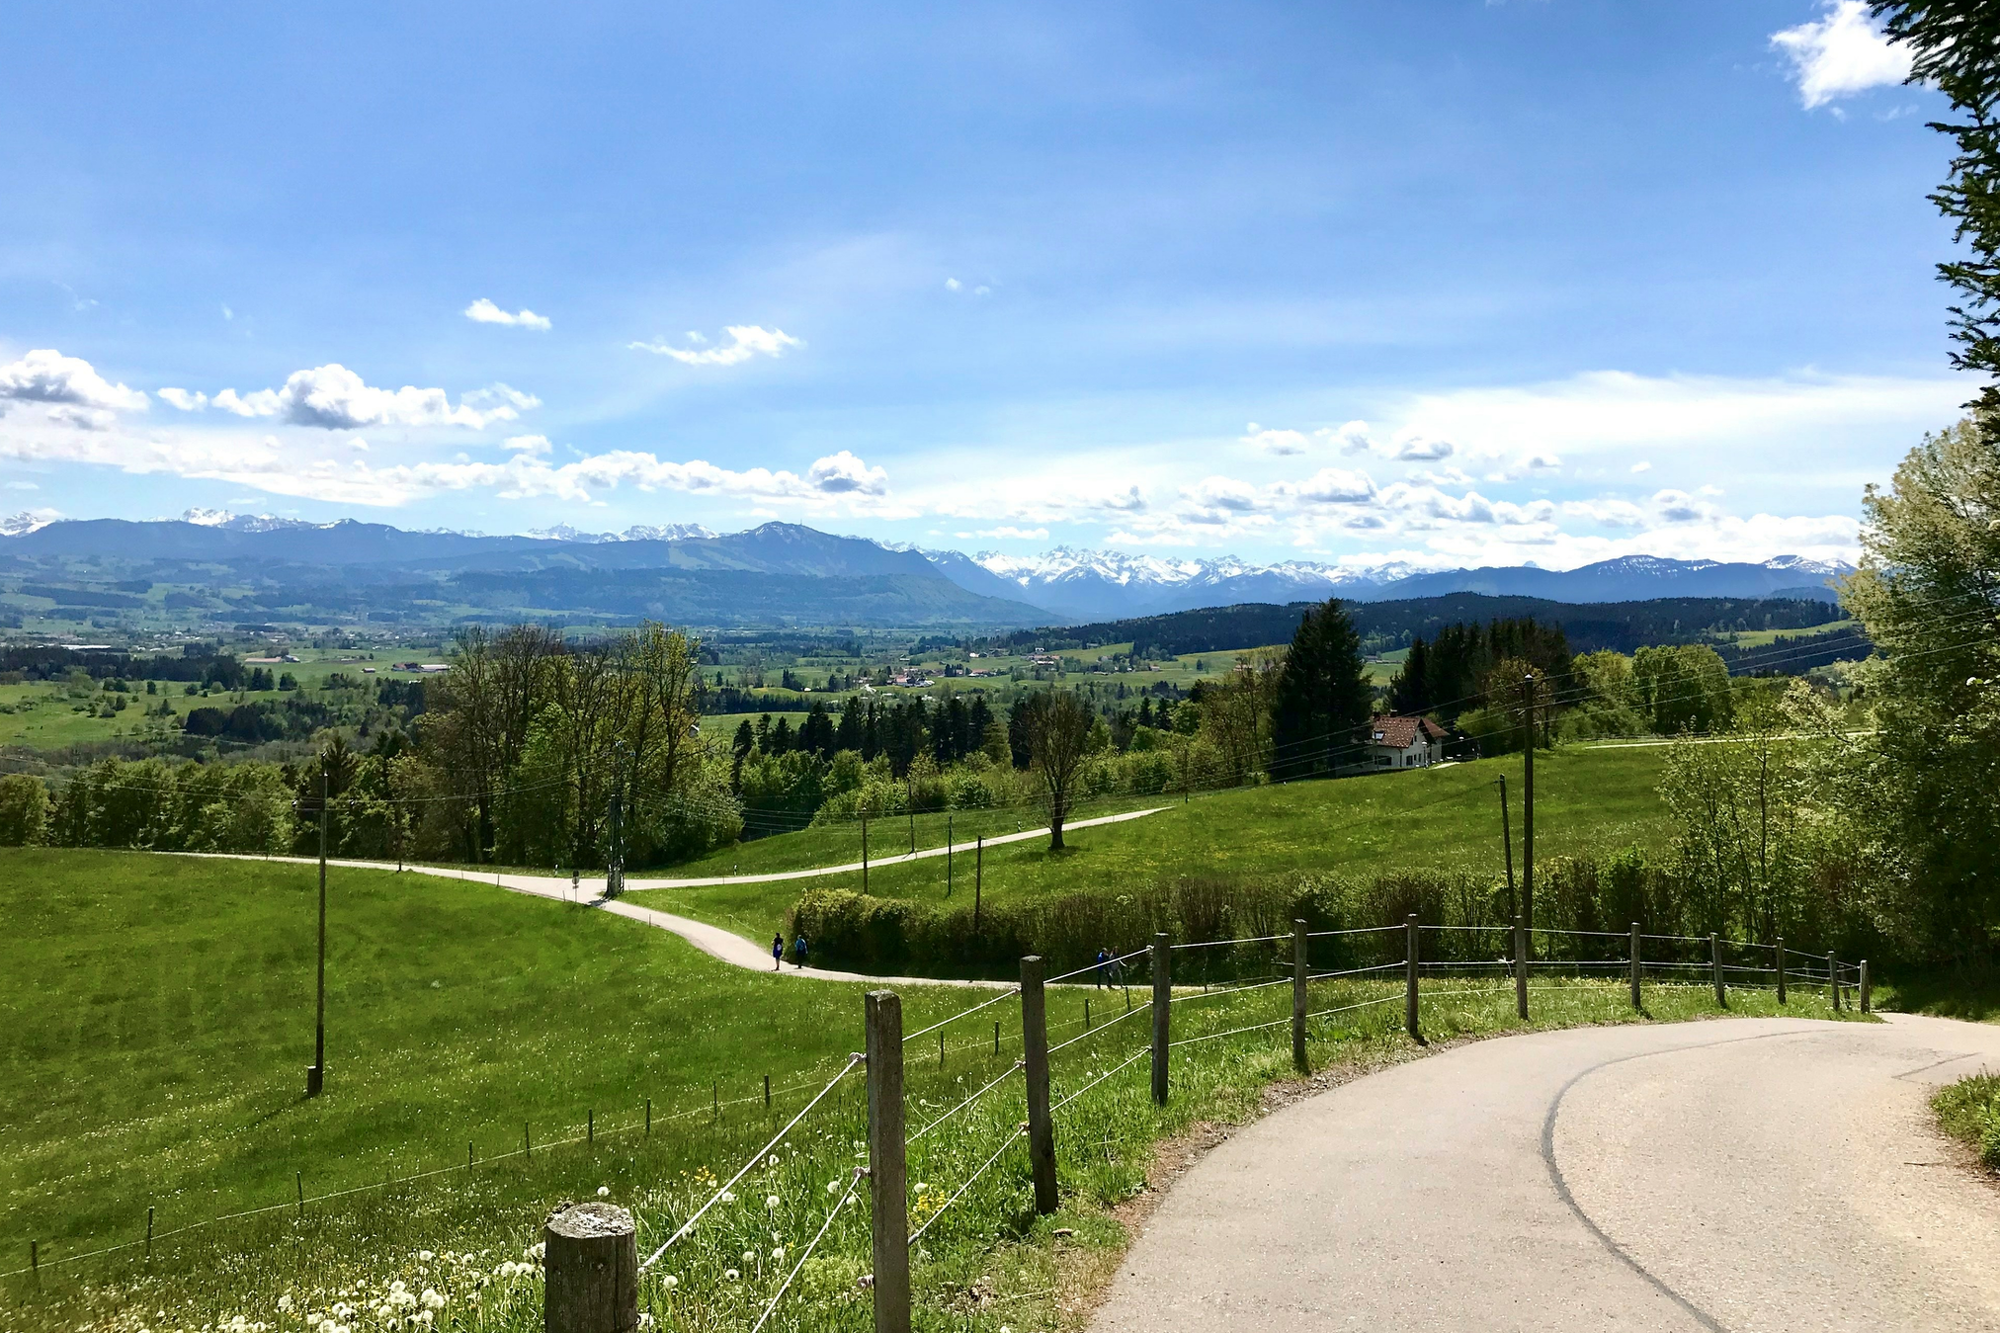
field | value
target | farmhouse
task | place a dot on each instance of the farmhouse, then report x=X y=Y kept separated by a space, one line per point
x=1402 y=742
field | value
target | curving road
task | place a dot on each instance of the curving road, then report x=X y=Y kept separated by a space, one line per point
x=1752 y=1175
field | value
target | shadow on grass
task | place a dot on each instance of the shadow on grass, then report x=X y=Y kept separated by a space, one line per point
x=1971 y=993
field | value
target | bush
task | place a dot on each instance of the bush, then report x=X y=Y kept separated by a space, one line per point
x=24 y=810
x=1969 y=1110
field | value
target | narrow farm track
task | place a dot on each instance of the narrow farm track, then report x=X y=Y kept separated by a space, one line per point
x=1753 y=1176
x=712 y=940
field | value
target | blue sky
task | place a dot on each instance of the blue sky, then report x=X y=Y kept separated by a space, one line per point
x=1444 y=281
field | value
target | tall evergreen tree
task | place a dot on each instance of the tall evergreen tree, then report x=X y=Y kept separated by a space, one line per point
x=1322 y=696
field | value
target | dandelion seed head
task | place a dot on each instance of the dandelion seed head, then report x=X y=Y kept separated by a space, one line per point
x=603 y=1191
x=730 y=1275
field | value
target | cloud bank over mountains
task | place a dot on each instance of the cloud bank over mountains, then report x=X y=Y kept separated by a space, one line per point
x=1478 y=476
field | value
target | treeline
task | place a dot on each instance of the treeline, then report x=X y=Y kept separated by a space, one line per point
x=1616 y=626
x=42 y=662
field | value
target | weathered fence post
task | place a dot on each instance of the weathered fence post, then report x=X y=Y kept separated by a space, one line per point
x=1410 y=978
x=149 y=1231
x=767 y=1092
x=1865 y=1007
x=887 y=1183
x=590 y=1267
x=1163 y=994
x=864 y=855
x=1637 y=962
x=1299 y=973
x=1715 y=968
x=1035 y=1059
x=1833 y=981
x=1781 y=969
x=1521 y=969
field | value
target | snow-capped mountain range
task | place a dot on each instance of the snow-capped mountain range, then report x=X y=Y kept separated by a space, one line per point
x=1065 y=583
x=1110 y=584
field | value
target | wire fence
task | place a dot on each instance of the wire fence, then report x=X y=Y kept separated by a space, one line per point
x=1353 y=994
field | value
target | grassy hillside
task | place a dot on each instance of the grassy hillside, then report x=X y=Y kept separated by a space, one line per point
x=1447 y=818
x=159 y=1011
x=159 y=1015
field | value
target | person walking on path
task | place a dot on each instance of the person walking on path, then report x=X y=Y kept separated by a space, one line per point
x=1103 y=969
x=799 y=950
x=778 y=952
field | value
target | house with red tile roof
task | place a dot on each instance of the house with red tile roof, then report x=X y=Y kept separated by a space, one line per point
x=1400 y=742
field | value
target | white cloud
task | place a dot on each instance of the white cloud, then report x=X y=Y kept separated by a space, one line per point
x=484 y=311
x=1673 y=506
x=1841 y=54
x=842 y=473
x=534 y=445
x=47 y=376
x=1607 y=513
x=1007 y=532
x=745 y=341
x=1414 y=445
x=1641 y=466
x=1328 y=486
x=332 y=397
x=1279 y=442
x=952 y=284
x=1353 y=438
x=182 y=399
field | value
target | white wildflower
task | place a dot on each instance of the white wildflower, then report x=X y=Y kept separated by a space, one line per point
x=730 y=1275
x=670 y=1282
x=778 y=1252
x=772 y=1203
x=603 y=1191
x=727 y=1197
x=433 y=1300
x=426 y=1255
x=749 y=1256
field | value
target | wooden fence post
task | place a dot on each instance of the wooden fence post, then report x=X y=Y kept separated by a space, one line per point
x=1035 y=1059
x=1865 y=1007
x=1715 y=969
x=1163 y=994
x=1781 y=969
x=1299 y=974
x=590 y=1267
x=149 y=1231
x=1410 y=978
x=887 y=1182
x=1520 y=969
x=1637 y=956
x=1833 y=981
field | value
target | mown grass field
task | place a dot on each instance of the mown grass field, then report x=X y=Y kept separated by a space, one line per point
x=159 y=1015
x=1586 y=800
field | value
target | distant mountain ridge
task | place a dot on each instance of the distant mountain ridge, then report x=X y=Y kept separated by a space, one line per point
x=1085 y=584
x=1062 y=585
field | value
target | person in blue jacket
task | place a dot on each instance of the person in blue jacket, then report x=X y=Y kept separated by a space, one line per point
x=777 y=952
x=799 y=950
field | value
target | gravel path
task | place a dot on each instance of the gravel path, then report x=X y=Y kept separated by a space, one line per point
x=1753 y=1175
x=712 y=940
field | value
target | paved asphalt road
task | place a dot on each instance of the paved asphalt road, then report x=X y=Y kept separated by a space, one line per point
x=1750 y=1175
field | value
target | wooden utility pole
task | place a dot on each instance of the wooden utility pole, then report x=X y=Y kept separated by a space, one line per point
x=1507 y=846
x=978 y=879
x=1035 y=1067
x=1781 y=969
x=864 y=854
x=947 y=856
x=316 y=1076
x=887 y=1181
x=1528 y=815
